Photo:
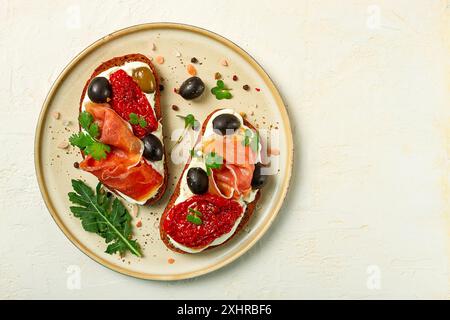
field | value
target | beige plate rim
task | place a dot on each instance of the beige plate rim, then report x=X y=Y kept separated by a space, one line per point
x=209 y=34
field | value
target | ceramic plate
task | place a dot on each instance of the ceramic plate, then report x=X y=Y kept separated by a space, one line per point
x=177 y=44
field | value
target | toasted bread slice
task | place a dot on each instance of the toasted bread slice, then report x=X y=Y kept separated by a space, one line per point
x=246 y=216
x=117 y=62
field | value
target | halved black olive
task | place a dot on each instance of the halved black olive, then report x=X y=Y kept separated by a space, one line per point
x=153 y=148
x=226 y=123
x=192 y=88
x=99 y=90
x=197 y=180
x=258 y=179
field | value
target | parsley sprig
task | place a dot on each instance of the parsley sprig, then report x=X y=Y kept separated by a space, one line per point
x=194 y=217
x=221 y=91
x=102 y=215
x=251 y=139
x=189 y=123
x=135 y=119
x=212 y=161
x=86 y=121
x=87 y=140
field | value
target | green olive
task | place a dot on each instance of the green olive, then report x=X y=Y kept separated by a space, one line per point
x=145 y=79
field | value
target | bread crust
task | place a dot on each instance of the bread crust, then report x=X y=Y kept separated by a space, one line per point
x=247 y=214
x=120 y=61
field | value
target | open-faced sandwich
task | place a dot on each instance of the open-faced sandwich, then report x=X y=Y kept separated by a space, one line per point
x=120 y=129
x=219 y=187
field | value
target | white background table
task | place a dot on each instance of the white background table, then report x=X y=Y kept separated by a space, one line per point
x=367 y=85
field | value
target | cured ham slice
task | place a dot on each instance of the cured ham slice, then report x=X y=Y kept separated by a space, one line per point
x=234 y=177
x=124 y=169
x=231 y=181
x=116 y=133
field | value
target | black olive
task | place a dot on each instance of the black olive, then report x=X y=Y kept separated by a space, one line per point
x=258 y=179
x=99 y=90
x=192 y=88
x=153 y=148
x=226 y=123
x=197 y=180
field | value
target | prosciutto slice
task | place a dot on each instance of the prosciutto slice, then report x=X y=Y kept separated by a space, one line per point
x=234 y=178
x=124 y=169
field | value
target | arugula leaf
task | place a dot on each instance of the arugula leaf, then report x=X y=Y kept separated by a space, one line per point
x=212 y=161
x=106 y=217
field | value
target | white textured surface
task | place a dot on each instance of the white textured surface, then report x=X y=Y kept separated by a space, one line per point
x=369 y=104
